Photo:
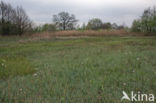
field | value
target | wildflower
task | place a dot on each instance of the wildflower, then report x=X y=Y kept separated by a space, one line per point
x=2 y=64
x=124 y=84
x=35 y=74
x=138 y=58
x=20 y=89
x=133 y=71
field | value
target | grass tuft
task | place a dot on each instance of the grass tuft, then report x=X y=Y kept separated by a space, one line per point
x=14 y=66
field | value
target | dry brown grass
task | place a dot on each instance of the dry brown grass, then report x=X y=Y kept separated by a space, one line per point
x=86 y=33
x=91 y=33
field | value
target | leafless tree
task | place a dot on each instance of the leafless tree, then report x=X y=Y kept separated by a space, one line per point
x=13 y=20
x=22 y=20
x=65 y=21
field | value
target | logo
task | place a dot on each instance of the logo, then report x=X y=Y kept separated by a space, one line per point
x=138 y=97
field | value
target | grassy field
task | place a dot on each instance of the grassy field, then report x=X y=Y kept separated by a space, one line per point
x=81 y=70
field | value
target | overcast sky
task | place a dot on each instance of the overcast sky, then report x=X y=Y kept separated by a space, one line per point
x=118 y=11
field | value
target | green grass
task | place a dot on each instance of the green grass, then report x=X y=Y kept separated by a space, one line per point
x=13 y=66
x=84 y=70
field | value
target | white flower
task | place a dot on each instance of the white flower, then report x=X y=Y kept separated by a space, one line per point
x=124 y=83
x=138 y=58
x=2 y=64
x=20 y=89
x=133 y=71
x=35 y=74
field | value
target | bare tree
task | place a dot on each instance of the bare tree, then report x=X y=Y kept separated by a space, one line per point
x=22 y=20
x=3 y=9
x=6 y=17
x=65 y=21
x=13 y=21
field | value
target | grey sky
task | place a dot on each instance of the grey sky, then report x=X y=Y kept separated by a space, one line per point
x=119 y=11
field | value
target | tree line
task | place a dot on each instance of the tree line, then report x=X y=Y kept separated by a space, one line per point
x=15 y=21
x=65 y=21
x=147 y=22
